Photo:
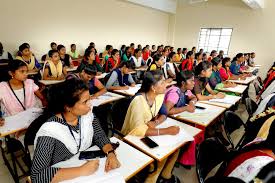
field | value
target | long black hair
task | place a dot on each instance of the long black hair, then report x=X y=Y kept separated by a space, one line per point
x=150 y=79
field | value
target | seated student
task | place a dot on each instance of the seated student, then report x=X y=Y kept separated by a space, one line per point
x=221 y=54
x=202 y=73
x=4 y=54
x=89 y=58
x=225 y=71
x=137 y=59
x=46 y=56
x=204 y=56
x=144 y=113
x=184 y=52
x=235 y=66
x=145 y=53
x=113 y=61
x=26 y=56
x=122 y=50
x=165 y=54
x=107 y=53
x=179 y=56
x=97 y=59
x=120 y=79
x=180 y=98
x=171 y=68
x=73 y=52
x=18 y=93
x=252 y=157
x=87 y=74
x=65 y=58
x=157 y=63
x=53 y=68
x=251 y=60
x=215 y=79
x=187 y=64
x=126 y=55
x=213 y=54
x=198 y=59
x=58 y=139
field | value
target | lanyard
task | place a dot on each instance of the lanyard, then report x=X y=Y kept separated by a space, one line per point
x=16 y=95
x=70 y=129
x=153 y=115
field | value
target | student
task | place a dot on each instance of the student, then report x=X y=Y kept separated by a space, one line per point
x=74 y=53
x=53 y=68
x=65 y=58
x=4 y=54
x=120 y=79
x=153 y=51
x=18 y=93
x=89 y=58
x=204 y=56
x=213 y=54
x=122 y=50
x=113 y=61
x=202 y=73
x=201 y=51
x=165 y=54
x=53 y=46
x=252 y=157
x=225 y=72
x=26 y=56
x=144 y=113
x=235 y=66
x=251 y=61
x=46 y=56
x=221 y=54
x=58 y=139
x=137 y=58
x=184 y=52
x=127 y=54
x=194 y=50
x=187 y=64
x=180 y=98
x=171 y=67
x=198 y=59
x=179 y=55
x=87 y=74
x=145 y=53
x=132 y=48
x=157 y=63
x=139 y=47
x=215 y=80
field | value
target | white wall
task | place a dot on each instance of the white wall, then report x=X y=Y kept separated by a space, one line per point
x=68 y=21
x=253 y=30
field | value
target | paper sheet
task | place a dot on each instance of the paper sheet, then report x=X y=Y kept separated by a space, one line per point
x=238 y=88
x=20 y=120
x=226 y=100
x=100 y=176
x=168 y=140
x=104 y=98
x=131 y=90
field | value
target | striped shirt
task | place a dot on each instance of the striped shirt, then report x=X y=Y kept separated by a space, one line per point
x=50 y=151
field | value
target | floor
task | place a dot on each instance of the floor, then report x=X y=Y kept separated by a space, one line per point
x=185 y=175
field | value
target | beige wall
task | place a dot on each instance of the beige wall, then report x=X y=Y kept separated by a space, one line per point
x=253 y=30
x=115 y=22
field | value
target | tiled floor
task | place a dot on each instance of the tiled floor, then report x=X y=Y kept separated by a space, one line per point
x=185 y=175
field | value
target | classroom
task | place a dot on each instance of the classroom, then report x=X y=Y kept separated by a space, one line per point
x=137 y=91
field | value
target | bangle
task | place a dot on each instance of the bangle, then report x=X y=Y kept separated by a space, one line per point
x=158 y=131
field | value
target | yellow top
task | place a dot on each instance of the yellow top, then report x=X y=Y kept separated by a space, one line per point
x=139 y=114
x=178 y=57
x=30 y=65
x=264 y=131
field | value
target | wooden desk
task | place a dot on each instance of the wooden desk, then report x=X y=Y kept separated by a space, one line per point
x=106 y=98
x=163 y=151
x=226 y=104
x=132 y=161
x=239 y=89
x=50 y=82
x=244 y=82
x=201 y=117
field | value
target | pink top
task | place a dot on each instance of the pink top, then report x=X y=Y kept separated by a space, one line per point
x=9 y=103
x=225 y=75
x=172 y=95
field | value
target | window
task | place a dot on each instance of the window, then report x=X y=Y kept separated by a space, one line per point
x=215 y=39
